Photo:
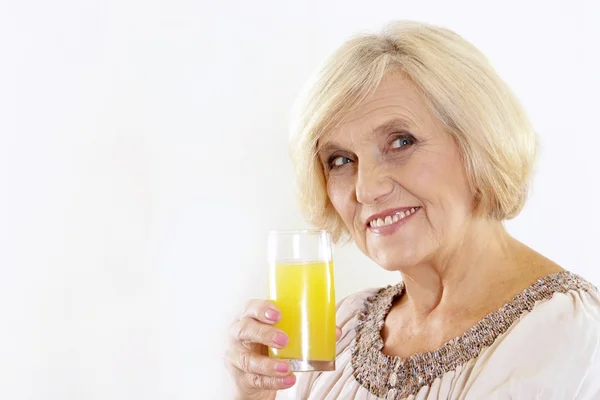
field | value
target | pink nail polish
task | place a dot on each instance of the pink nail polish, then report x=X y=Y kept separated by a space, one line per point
x=272 y=315
x=280 y=339
x=282 y=367
x=289 y=380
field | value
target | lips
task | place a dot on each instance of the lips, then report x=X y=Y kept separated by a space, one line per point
x=389 y=217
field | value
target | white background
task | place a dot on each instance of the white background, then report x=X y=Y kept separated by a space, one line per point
x=144 y=156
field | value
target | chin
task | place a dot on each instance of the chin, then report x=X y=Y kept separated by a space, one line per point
x=394 y=259
x=393 y=252
x=394 y=265
x=397 y=250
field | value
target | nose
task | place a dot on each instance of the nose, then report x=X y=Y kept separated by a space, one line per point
x=372 y=184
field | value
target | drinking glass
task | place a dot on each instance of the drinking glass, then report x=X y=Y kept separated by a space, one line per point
x=301 y=285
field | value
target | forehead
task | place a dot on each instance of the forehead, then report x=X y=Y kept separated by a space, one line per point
x=396 y=103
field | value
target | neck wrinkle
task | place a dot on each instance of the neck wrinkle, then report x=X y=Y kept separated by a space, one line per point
x=482 y=255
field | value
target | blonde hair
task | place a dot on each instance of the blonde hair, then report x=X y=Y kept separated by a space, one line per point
x=495 y=137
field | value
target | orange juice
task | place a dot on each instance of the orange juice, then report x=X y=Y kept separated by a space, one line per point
x=304 y=292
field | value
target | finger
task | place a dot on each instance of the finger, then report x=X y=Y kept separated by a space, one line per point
x=249 y=330
x=262 y=310
x=262 y=382
x=258 y=364
x=338 y=333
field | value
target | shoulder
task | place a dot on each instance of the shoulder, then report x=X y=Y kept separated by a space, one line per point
x=353 y=304
x=560 y=339
x=570 y=308
x=552 y=351
x=564 y=327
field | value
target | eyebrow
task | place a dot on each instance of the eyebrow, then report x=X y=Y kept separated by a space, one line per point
x=391 y=125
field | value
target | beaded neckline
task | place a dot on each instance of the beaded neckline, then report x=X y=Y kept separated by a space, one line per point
x=393 y=377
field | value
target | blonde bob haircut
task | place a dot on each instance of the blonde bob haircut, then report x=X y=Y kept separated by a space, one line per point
x=461 y=89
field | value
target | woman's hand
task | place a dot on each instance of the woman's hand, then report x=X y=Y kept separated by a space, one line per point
x=256 y=375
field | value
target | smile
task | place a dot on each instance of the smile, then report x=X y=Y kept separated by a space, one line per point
x=392 y=218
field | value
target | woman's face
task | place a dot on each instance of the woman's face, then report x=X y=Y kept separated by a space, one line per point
x=396 y=177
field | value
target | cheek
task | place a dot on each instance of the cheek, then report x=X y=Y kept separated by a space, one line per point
x=425 y=180
x=443 y=184
x=457 y=185
x=341 y=195
x=435 y=176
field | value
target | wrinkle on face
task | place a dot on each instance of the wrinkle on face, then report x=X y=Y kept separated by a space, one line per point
x=429 y=174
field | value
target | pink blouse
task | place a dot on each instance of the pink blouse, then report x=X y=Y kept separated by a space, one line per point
x=543 y=344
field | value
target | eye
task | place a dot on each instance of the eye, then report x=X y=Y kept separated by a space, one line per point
x=338 y=161
x=402 y=142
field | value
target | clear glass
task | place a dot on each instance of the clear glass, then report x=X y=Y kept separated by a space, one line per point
x=301 y=284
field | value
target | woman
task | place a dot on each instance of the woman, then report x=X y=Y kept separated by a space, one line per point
x=412 y=145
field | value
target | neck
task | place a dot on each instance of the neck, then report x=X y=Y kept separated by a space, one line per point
x=464 y=270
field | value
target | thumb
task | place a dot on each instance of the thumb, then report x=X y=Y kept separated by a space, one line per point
x=338 y=333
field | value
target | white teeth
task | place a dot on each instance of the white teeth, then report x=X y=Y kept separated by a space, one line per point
x=390 y=219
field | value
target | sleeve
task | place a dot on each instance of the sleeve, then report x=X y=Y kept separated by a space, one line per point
x=346 y=310
x=551 y=353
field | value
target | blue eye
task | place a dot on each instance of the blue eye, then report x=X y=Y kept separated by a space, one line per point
x=402 y=141
x=338 y=161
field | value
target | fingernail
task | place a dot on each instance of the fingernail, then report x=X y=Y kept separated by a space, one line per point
x=282 y=367
x=280 y=339
x=272 y=315
x=289 y=380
